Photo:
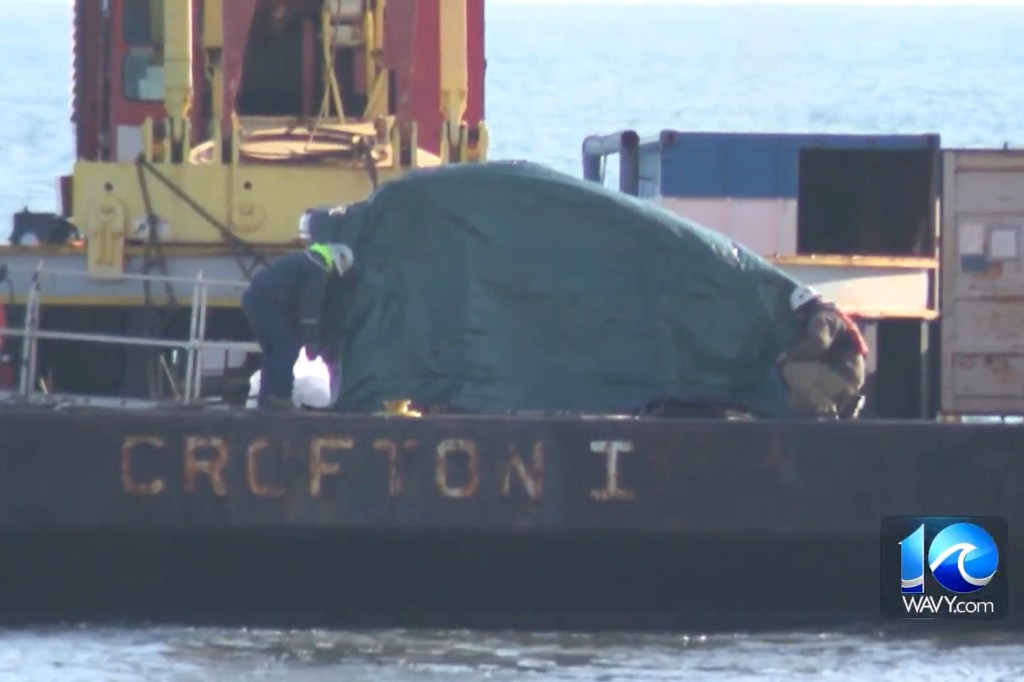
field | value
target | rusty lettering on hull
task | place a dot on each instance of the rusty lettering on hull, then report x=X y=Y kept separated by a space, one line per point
x=230 y=470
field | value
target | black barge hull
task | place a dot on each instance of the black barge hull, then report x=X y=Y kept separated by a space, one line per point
x=216 y=516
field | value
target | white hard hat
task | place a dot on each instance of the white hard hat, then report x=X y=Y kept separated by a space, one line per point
x=304 y=229
x=313 y=221
x=342 y=257
x=801 y=296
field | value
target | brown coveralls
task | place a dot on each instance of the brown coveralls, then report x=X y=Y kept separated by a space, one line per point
x=821 y=374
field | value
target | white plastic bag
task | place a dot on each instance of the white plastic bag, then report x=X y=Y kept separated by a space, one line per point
x=312 y=387
x=312 y=382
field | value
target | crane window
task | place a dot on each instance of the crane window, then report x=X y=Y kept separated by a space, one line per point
x=142 y=22
x=142 y=32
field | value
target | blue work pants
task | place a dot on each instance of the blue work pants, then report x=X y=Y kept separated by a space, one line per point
x=279 y=344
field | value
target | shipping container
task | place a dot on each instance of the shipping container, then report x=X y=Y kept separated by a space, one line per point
x=791 y=194
x=856 y=216
x=982 y=282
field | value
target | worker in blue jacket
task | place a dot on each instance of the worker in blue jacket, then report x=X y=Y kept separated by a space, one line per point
x=283 y=305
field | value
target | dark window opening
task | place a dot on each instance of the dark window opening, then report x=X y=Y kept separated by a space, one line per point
x=867 y=201
x=142 y=22
x=272 y=72
x=392 y=93
x=352 y=99
x=142 y=30
x=272 y=75
x=904 y=384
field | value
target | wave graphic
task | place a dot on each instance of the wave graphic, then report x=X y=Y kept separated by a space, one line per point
x=956 y=576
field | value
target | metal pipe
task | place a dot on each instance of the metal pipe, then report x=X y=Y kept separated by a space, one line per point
x=233 y=283
x=33 y=361
x=201 y=338
x=31 y=304
x=191 y=353
x=250 y=346
x=602 y=145
x=33 y=366
x=629 y=164
x=103 y=338
x=627 y=145
x=592 y=168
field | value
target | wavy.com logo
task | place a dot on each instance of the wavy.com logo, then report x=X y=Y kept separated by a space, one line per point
x=947 y=567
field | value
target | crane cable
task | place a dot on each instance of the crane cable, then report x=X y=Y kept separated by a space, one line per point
x=239 y=246
x=154 y=324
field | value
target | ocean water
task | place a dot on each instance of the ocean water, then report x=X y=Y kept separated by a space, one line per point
x=556 y=73
x=167 y=654
x=559 y=71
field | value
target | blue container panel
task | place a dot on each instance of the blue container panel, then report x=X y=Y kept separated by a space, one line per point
x=754 y=165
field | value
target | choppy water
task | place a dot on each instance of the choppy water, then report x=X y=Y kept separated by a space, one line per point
x=394 y=655
x=555 y=74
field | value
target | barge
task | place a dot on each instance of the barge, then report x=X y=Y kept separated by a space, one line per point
x=136 y=486
x=205 y=516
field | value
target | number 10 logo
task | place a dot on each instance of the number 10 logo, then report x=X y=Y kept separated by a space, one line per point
x=963 y=558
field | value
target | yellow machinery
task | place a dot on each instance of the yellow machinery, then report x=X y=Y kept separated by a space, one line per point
x=252 y=179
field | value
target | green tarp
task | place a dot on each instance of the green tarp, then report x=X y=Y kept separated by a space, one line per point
x=509 y=286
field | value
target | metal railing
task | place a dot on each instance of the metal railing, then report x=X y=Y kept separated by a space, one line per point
x=193 y=345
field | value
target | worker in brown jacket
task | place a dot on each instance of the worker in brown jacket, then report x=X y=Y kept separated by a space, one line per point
x=825 y=368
